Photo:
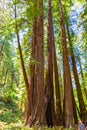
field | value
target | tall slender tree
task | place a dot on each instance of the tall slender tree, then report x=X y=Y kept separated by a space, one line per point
x=82 y=76
x=49 y=74
x=50 y=113
x=56 y=75
x=22 y=63
x=69 y=39
x=79 y=92
x=68 y=105
x=57 y=84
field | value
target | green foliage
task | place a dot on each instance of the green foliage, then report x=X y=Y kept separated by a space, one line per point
x=12 y=87
x=10 y=115
x=12 y=118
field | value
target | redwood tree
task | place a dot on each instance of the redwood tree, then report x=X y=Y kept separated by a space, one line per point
x=68 y=105
x=22 y=64
x=35 y=104
x=82 y=75
x=50 y=112
x=82 y=107
x=37 y=115
x=56 y=75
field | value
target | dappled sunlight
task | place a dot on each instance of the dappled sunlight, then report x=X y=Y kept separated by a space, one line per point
x=43 y=64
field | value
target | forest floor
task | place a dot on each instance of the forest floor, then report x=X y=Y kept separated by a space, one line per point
x=11 y=118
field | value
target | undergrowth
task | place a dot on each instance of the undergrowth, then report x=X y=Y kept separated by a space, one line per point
x=11 y=118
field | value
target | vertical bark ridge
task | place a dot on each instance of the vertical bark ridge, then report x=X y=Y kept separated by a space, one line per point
x=68 y=105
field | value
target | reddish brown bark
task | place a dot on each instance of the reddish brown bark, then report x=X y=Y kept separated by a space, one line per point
x=49 y=73
x=21 y=55
x=82 y=107
x=74 y=103
x=79 y=92
x=30 y=102
x=83 y=112
x=37 y=114
x=50 y=113
x=57 y=85
x=74 y=109
x=68 y=105
x=23 y=67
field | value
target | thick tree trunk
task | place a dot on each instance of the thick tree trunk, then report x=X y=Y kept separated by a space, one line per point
x=50 y=112
x=37 y=115
x=30 y=102
x=74 y=103
x=68 y=104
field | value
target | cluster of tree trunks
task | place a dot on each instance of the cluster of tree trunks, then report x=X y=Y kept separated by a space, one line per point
x=50 y=68
x=40 y=106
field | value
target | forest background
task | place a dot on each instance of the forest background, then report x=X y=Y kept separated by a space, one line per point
x=43 y=63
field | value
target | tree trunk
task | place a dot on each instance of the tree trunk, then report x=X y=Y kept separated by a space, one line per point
x=74 y=109
x=74 y=103
x=57 y=87
x=82 y=76
x=68 y=104
x=57 y=84
x=32 y=72
x=22 y=65
x=50 y=112
x=79 y=92
x=37 y=115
